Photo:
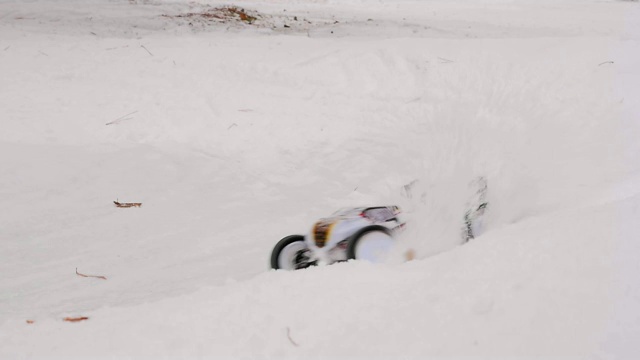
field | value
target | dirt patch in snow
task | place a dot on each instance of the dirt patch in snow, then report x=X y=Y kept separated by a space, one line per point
x=225 y=14
x=232 y=17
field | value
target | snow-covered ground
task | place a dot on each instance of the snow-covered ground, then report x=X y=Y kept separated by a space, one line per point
x=233 y=133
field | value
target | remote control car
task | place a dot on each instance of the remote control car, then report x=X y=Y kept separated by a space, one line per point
x=365 y=233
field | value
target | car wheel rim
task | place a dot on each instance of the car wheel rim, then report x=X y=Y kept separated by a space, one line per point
x=373 y=246
x=286 y=259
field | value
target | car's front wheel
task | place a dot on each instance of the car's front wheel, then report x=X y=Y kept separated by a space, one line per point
x=373 y=244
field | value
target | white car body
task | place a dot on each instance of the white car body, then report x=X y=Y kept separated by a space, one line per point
x=351 y=233
x=328 y=238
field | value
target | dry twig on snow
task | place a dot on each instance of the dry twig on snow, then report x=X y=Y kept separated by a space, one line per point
x=127 y=205
x=289 y=336
x=94 y=276
x=75 y=319
x=142 y=46
x=121 y=118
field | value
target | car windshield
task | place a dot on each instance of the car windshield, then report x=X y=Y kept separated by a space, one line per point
x=381 y=214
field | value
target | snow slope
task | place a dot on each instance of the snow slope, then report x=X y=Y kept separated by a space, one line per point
x=234 y=135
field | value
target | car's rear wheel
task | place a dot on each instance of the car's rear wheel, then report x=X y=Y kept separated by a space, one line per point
x=372 y=244
x=291 y=253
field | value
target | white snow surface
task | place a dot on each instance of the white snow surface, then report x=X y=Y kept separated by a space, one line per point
x=234 y=135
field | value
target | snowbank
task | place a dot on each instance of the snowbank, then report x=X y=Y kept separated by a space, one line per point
x=233 y=135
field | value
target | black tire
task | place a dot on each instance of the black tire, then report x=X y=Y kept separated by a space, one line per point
x=353 y=240
x=284 y=242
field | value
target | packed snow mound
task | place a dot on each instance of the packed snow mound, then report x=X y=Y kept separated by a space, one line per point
x=516 y=291
x=232 y=135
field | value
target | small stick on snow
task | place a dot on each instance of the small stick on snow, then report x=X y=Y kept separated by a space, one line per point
x=289 y=336
x=42 y=53
x=445 y=61
x=120 y=47
x=7 y=48
x=142 y=46
x=94 y=276
x=232 y=125
x=121 y=118
x=127 y=205
x=75 y=319
x=606 y=62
